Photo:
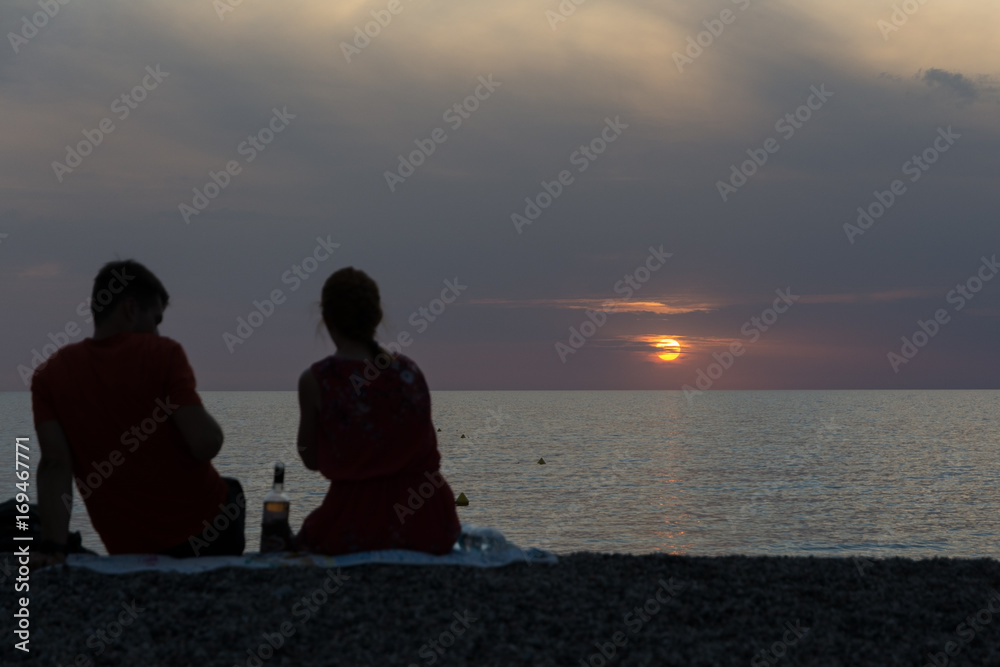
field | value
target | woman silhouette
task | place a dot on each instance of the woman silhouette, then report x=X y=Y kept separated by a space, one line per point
x=365 y=423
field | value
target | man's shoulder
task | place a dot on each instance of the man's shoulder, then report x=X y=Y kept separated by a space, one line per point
x=144 y=344
x=55 y=360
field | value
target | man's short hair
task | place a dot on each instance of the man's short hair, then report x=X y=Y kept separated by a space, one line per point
x=119 y=280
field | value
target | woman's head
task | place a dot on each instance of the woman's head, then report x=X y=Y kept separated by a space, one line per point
x=351 y=305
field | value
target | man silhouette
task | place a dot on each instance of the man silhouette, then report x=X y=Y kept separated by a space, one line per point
x=119 y=412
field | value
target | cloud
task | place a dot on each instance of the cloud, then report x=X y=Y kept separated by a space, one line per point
x=958 y=83
x=324 y=175
x=872 y=297
x=615 y=303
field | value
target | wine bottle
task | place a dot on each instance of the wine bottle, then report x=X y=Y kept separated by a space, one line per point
x=275 y=532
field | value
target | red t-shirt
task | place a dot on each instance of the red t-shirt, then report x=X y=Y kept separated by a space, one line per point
x=143 y=489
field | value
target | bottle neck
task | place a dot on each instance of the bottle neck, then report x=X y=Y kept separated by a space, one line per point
x=279 y=478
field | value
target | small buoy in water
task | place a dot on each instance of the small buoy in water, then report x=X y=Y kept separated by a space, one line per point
x=541 y=462
x=462 y=500
x=463 y=435
x=439 y=430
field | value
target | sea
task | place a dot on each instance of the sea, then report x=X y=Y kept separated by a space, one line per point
x=792 y=473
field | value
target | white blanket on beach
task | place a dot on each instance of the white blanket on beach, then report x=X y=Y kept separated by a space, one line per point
x=478 y=547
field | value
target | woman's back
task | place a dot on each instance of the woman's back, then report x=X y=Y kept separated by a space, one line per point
x=373 y=427
x=378 y=447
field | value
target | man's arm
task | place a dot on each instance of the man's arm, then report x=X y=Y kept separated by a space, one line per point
x=55 y=481
x=308 y=439
x=201 y=432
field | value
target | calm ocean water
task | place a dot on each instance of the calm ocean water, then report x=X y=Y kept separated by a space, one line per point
x=904 y=473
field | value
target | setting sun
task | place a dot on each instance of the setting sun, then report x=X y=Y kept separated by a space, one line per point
x=671 y=349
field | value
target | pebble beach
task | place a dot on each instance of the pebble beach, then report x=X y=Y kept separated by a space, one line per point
x=587 y=609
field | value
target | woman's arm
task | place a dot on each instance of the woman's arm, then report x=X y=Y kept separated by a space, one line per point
x=308 y=439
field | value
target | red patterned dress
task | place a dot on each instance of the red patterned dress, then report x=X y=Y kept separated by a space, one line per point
x=378 y=448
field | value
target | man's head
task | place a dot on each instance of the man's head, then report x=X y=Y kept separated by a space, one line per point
x=128 y=297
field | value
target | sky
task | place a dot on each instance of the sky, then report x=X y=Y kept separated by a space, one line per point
x=800 y=195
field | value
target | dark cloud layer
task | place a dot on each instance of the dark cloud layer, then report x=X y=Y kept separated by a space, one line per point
x=657 y=183
x=962 y=86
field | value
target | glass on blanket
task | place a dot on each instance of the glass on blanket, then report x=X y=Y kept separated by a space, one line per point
x=275 y=532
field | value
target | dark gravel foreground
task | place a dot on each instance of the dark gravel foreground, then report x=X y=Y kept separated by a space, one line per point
x=717 y=611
